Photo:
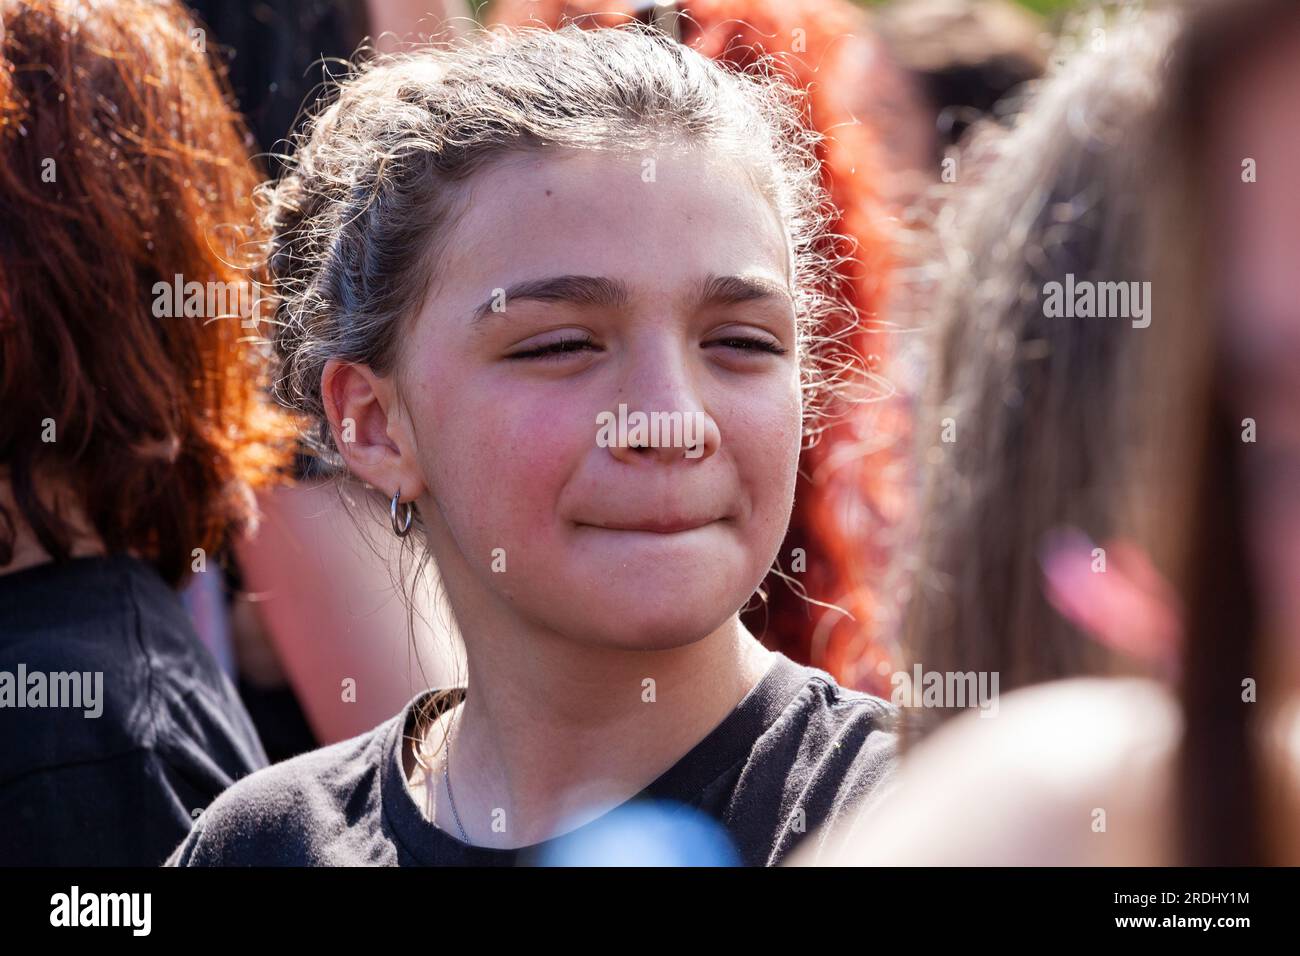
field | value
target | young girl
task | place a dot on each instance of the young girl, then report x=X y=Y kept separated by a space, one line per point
x=482 y=251
x=824 y=613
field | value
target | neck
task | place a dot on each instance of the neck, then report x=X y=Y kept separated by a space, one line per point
x=28 y=552
x=552 y=734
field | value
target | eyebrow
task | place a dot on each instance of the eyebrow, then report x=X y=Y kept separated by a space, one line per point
x=712 y=290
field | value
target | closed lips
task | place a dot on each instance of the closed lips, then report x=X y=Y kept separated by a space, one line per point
x=654 y=525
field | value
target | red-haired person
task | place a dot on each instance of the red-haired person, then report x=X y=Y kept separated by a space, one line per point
x=134 y=427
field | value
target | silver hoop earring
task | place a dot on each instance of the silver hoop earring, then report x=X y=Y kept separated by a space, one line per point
x=403 y=529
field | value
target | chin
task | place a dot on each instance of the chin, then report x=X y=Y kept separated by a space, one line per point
x=642 y=624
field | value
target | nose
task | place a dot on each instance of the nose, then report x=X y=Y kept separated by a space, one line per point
x=660 y=417
x=665 y=437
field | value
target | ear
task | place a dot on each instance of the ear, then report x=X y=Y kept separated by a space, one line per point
x=371 y=429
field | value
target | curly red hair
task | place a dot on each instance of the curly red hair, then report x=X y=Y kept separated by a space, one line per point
x=123 y=165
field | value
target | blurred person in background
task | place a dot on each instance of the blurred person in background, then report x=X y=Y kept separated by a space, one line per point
x=1126 y=771
x=280 y=54
x=133 y=432
x=1023 y=433
x=942 y=66
x=310 y=622
x=1025 y=420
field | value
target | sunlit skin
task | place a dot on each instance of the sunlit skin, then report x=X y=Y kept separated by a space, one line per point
x=621 y=565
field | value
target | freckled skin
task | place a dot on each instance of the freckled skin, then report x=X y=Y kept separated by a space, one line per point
x=507 y=447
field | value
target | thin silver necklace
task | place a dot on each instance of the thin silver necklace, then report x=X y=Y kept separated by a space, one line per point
x=446 y=775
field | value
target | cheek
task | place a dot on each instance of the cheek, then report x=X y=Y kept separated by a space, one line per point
x=762 y=435
x=498 y=459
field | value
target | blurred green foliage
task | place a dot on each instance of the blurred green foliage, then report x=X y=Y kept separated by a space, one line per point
x=1047 y=6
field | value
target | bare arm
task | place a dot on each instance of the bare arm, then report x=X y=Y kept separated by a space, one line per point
x=1073 y=772
x=329 y=606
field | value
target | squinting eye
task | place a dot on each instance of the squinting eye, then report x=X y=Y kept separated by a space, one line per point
x=746 y=344
x=554 y=349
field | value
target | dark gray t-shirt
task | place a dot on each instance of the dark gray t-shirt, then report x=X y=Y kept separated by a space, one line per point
x=793 y=755
x=147 y=729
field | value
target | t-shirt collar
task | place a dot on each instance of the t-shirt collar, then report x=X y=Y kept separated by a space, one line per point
x=729 y=743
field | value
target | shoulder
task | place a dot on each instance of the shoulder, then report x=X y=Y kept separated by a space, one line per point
x=1064 y=772
x=121 y=669
x=830 y=727
x=309 y=810
x=122 y=810
x=827 y=751
x=1059 y=734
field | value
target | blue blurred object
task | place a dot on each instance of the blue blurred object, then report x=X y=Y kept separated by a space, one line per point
x=645 y=833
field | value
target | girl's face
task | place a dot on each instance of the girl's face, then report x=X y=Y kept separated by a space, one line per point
x=573 y=284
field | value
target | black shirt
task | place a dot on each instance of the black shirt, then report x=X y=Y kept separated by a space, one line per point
x=120 y=788
x=795 y=753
